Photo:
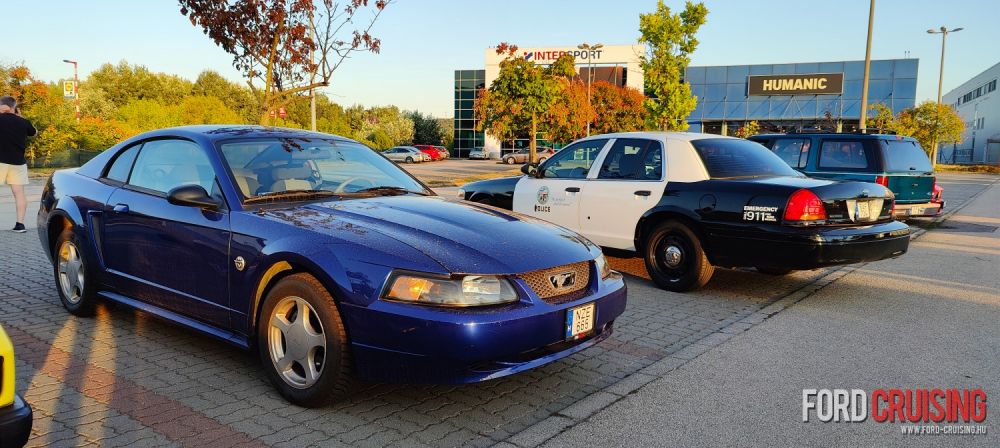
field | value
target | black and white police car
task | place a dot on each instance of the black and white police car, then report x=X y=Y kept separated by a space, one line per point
x=689 y=202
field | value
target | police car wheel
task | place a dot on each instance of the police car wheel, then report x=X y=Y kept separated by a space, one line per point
x=675 y=258
x=773 y=271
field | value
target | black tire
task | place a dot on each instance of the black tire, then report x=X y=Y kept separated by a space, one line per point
x=335 y=374
x=81 y=301
x=409 y=160
x=777 y=272
x=691 y=270
x=509 y=161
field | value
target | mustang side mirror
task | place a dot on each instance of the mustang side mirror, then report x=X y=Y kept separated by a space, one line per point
x=530 y=169
x=192 y=196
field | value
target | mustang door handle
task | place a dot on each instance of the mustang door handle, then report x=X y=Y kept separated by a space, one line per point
x=573 y=189
x=120 y=208
x=643 y=193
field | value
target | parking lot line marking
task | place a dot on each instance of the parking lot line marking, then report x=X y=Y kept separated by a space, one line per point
x=162 y=414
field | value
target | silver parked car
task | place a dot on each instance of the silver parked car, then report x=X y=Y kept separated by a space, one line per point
x=407 y=154
x=477 y=153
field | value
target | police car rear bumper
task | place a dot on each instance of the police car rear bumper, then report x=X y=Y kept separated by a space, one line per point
x=811 y=248
x=15 y=424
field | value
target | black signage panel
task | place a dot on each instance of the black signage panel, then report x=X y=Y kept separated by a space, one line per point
x=805 y=84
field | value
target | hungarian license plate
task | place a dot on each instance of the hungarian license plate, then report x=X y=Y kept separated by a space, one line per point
x=864 y=211
x=580 y=321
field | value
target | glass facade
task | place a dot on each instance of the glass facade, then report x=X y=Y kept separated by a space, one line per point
x=724 y=106
x=467 y=86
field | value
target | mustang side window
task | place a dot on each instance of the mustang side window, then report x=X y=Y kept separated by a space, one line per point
x=844 y=155
x=163 y=165
x=123 y=164
x=574 y=161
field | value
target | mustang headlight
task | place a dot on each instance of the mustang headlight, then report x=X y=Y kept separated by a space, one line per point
x=471 y=290
x=602 y=266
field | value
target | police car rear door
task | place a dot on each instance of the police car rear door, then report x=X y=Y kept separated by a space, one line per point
x=556 y=193
x=628 y=182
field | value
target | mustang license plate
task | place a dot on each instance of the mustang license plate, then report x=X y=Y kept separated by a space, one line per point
x=579 y=321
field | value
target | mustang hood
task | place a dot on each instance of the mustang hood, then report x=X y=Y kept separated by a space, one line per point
x=462 y=237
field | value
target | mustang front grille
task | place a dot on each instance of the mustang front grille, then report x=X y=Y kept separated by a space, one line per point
x=553 y=285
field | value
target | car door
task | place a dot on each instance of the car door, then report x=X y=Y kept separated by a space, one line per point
x=391 y=154
x=174 y=257
x=629 y=181
x=554 y=195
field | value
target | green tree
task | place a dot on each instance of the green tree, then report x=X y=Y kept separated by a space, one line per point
x=514 y=104
x=749 y=129
x=880 y=118
x=364 y=124
x=237 y=98
x=447 y=128
x=426 y=130
x=931 y=124
x=124 y=83
x=670 y=39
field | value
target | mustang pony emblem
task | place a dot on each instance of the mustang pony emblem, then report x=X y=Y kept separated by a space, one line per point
x=562 y=280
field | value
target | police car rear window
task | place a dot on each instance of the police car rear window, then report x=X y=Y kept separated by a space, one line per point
x=728 y=158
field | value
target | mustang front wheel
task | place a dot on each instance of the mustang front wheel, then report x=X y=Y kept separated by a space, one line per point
x=73 y=275
x=303 y=343
x=675 y=259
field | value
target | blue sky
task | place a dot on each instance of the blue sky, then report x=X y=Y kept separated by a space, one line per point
x=424 y=41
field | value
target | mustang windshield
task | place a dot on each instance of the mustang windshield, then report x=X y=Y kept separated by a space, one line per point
x=728 y=158
x=299 y=169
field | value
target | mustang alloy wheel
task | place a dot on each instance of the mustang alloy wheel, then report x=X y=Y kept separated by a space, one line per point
x=72 y=275
x=303 y=343
x=675 y=259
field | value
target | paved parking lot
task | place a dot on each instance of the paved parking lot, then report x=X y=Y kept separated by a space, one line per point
x=123 y=378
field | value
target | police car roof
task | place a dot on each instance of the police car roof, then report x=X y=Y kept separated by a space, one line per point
x=658 y=135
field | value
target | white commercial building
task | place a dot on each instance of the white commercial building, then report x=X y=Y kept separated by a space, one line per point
x=978 y=103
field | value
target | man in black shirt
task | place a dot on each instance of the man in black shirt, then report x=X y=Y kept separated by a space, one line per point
x=14 y=133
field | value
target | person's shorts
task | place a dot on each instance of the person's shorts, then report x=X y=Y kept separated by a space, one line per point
x=13 y=174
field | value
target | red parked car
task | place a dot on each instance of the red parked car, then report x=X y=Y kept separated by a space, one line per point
x=431 y=151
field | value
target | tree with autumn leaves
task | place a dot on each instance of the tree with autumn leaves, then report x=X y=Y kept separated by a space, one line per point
x=285 y=48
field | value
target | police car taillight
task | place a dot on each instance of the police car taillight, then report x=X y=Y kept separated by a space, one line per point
x=804 y=205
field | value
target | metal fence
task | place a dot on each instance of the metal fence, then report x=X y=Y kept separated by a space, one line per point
x=65 y=159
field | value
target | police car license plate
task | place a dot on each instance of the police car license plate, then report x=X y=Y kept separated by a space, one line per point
x=864 y=211
x=579 y=321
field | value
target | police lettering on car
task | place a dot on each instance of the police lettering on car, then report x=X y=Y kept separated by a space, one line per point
x=688 y=203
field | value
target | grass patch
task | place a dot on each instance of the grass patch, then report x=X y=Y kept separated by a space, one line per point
x=459 y=181
x=985 y=169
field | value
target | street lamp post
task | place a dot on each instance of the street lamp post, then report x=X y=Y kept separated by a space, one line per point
x=868 y=63
x=76 y=86
x=943 y=31
x=590 y=71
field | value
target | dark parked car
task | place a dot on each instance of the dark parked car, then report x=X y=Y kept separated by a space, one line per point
x=327 y=258
x=896 y=162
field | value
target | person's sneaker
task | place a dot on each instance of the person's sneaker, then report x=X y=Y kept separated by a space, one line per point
x=19 y=228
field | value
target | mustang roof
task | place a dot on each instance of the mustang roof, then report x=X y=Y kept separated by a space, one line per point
x=219 y=132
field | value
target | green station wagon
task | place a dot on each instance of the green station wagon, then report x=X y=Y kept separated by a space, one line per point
x=896 y=162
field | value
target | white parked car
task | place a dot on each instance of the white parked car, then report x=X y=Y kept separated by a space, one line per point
x=406 y=154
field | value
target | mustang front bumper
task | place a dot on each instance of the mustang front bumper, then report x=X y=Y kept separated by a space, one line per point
x=15 y=424
x=435 y=345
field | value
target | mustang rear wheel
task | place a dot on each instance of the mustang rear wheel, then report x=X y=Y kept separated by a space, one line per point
x=73 y=275
x=675 y=258
x=303 y=343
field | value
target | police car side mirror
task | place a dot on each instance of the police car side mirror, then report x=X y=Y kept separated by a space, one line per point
x=530 y=169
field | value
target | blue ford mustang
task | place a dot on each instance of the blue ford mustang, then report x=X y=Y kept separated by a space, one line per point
x=324 y=256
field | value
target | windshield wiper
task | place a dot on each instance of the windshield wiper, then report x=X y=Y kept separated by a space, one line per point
x=385 y=189
x=290 y=194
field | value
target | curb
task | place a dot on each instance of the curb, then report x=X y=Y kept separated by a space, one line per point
x=583 y=410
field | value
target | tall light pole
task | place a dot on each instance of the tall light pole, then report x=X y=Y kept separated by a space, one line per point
x=943 y=31
x=868 y=63
x=590 y=71
x=76 y=86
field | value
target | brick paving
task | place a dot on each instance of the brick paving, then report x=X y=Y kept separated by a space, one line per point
x=123 y=378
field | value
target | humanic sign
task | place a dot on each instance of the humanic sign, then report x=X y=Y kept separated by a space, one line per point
x=805 y=84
